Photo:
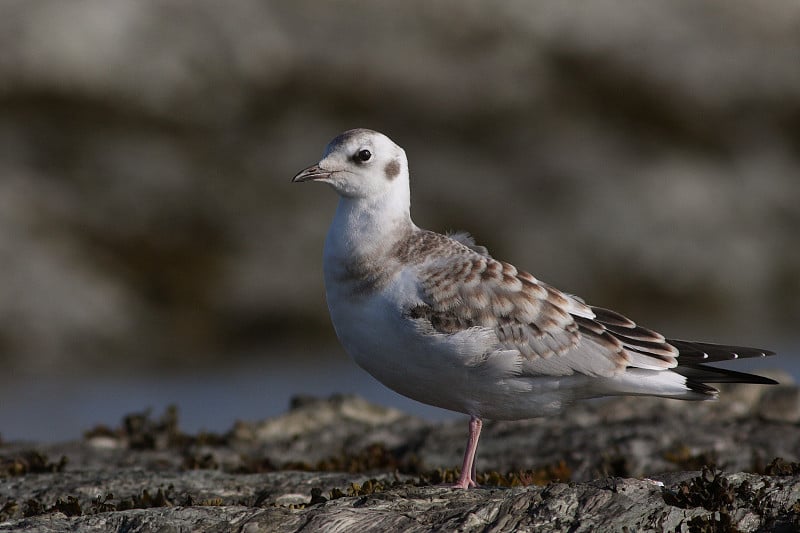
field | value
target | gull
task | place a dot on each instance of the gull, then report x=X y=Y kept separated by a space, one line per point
x=437 y=319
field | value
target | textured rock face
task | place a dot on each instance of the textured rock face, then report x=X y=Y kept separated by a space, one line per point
x=632 y=153
x=343 y=464
x=609 y=505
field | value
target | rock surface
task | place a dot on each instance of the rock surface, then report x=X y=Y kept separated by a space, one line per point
x=342 y=464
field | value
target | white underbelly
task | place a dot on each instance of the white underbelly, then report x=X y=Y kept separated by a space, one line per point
x=385 y=345
x=459 y=372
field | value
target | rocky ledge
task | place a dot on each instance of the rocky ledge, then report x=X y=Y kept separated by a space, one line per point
x=342 y=464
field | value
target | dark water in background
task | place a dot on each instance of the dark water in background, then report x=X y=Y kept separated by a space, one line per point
x=48 y=409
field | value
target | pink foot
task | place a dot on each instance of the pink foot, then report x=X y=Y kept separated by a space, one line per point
x=467 y=477
x=464 y=484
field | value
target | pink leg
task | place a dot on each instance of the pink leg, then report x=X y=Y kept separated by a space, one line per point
x=467 y=478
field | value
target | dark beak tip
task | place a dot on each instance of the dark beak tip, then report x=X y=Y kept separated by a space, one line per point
x=310 y=174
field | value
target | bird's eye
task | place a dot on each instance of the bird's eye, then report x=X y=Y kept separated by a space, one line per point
x=363 y=156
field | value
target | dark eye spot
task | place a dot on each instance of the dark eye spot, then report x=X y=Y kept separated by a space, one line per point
x=363 y=156
x=392 y=169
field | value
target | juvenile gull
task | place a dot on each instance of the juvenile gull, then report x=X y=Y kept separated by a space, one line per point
x=439 y=320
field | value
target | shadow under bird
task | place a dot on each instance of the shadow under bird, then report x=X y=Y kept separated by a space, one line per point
x=437 y=319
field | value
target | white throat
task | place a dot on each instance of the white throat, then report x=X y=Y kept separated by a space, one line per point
x=366 y=226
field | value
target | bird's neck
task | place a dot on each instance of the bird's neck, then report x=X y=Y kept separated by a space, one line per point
x=368 y=226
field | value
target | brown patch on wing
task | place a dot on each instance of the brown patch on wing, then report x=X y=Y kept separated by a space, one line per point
x=441 y=322
x=421 y=245
x=464 y=289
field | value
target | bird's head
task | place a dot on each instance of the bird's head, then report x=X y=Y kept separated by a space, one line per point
x=360 y=163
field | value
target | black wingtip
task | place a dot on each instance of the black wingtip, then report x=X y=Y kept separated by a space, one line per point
x=763 y=380
x=712 y=374
x=702 y=388
x=693 y=352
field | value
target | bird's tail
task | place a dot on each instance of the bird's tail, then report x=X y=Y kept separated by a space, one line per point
x=693 y=355
x=698 y=377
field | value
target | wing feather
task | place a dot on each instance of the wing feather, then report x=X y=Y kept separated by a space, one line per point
x=555 y=333
x=463 y=289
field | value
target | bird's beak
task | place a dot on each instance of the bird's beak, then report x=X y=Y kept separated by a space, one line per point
x=312 y=173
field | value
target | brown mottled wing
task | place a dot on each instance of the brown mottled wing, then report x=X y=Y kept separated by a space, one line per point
x=466 y=239
x=554 y=333
x=477 y=291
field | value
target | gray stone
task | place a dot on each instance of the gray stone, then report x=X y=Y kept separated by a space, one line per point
x=633 y=464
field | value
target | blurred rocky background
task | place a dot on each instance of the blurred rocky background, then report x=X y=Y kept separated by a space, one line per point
x=644 y=155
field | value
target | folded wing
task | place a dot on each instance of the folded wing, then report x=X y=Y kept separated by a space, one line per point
x=555 y=333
